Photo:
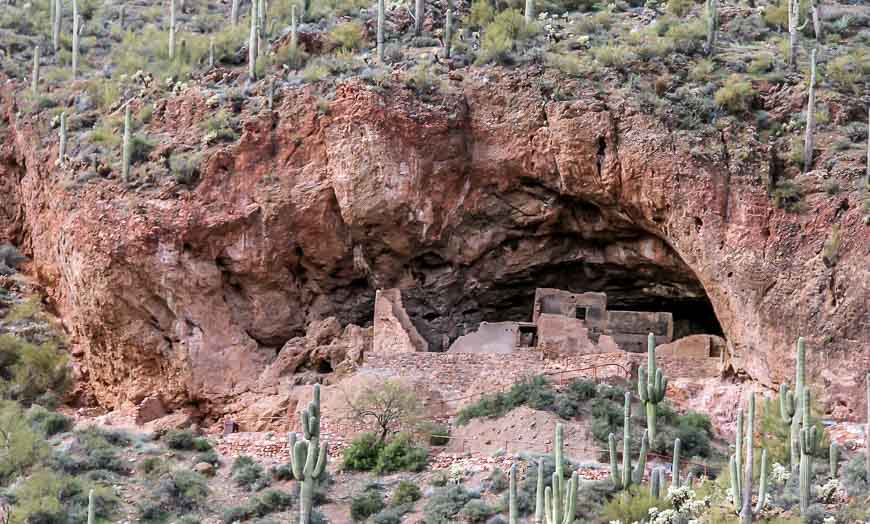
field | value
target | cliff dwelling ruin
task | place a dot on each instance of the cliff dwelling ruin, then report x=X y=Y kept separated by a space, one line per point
x=562 y=322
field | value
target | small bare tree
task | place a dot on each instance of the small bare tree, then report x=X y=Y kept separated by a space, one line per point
x=389 y=406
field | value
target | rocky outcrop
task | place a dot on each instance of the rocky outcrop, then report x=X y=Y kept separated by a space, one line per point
x=467 y=203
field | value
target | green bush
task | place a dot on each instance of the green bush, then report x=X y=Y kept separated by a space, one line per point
x=481 y=14
x=348 y=36
x=476 y=510
x=248 y=474
x=400 y=454
x=617 y=56
x=534 y=390
x=209 y=457
x=632 y=506
x=788 y=195
x=405 y=493
x=47 y=422
x=502 y=35
x=445 y=504
x=181 y=491
x=153 y=466
x=689 y=37
x=680 y=7
x=282 y=473
x=46 y=497
x=439 y=434
x=362 y=453
x=391 y=515
x=23 y=446
x=854 y=477
x=735 y=95
x=366 y=504
x=185 y=168
x=498 y=481
x=28 y=370
x=181 y=440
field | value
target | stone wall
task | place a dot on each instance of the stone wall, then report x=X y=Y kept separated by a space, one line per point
x=490 y=337
x=393 y=330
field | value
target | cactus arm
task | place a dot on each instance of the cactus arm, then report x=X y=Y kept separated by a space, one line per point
x=320 y=467
x=762 y=487
x=91 y=507
x=655 y=483
x=614 y=465
x=735 y=482
x=571 y=500
x=548 y=509
x=804 y=477
x=512 y=496
x=642 y=386
x=539 y=494
x=641 y=460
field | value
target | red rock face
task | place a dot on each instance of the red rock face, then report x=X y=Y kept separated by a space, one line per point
x=496 y=188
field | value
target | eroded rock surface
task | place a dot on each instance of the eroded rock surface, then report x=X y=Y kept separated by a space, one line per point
x=467 y=206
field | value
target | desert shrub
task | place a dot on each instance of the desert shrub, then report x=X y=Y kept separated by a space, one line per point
x=400 y=454
x=502 y=36
x=617 y=56
x=591 y=496
x=481 y=14
x=439 y=434
x=46 y=497
x=236 y=514
x=181 y=491
x=248 y=474
x=30 y=371
x=10 y=257
x=181 y=440
x=856 y=131
x=680 y=7
x=185 y=168
x=498 y=481
x=854 y=477
x=476 y=510
x=735 y=95
x=405 y=493
x=218 y=128
x=23 y=446
x=534 y=390
x=633 y=506
x=762 y=63
x=282 y=473
x=366 y=504
x=152 y=466
x=362 y=453
x=47 y=422
x=348 y=36
x=315 y=71
x=392 y=515
x=849 y=71
x=445 y=504
x=272 y=501
x=787 y=195
x=209 y=457
x=688 y=37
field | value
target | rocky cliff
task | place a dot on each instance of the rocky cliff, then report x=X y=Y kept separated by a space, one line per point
x=467 y=200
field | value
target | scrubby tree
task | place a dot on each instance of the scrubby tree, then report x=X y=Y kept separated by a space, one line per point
x=389 y=406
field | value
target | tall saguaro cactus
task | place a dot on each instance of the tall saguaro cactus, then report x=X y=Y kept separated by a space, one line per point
x=294 y=29
x=809 y=445
x=651 y=386
x=308 y=456
x=448 y=34
x=675 y=468
x=34 y=81
x=794 y=14
x=76 y=37
x=55 y=26
x=91 y=507
x=530 y=11
x=252 y=43
x=171 y=29
x=790 y=404
x=419 y=8
x=712 y=25
x=556 y=503
x=380 y=37
x=61 y=149
x=741 y=488
x=234 y=12
x=513 y=513
x=811 y=116
x=125 y=154
x=627 y=477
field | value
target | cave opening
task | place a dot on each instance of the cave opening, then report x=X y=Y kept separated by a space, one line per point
x=664 y=283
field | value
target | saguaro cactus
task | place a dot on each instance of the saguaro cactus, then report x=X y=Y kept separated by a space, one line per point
x=234 y=12
x=252 y=44
x=448 y=33
x=122 y=12
x=811 y=115
x=211 y=52
x=380 y=38
x=624 y=479
x=171 y=29
x=34 y=81
x=656 y=480
x=91 y=507
x=61 y=149
x=556 y=503
x=741 y=488
x=294 y=29
x=76 y=36
x=834 y=459
x=125 y=154
x=55 y=27
x=794 y=14
x=419 y=6
x=712 y=25
x=675 y=468
x=651 y=386
x=809 y=445
x=817 y=22
x=790 y=404
x=530 y=11
x=513 y=513
x=308 y=456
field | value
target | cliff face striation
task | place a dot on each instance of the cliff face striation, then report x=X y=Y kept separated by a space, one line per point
x=467 y=203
